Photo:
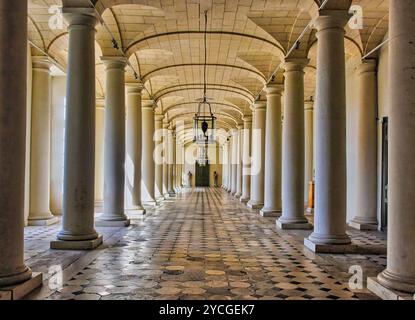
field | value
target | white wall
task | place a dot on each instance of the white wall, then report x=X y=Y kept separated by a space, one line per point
x=57 y=143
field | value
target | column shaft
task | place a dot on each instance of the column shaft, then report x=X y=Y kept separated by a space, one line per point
x=148 y=164
x=159 y=156
x=78 y=186
x=400 y=271
x=293 y=148
x=239 y=163
x=272 y=197
x=165 y=160
x=235 y=139
x=258 y=156
x=246 y=159
x=309 y=147
x=330 y=207
x=366 y=171
x=114 y=145
x=39 y=212
x=13 y=79
x=134 y=145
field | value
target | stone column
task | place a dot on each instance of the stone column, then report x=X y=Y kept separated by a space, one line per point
x=134 y=144
x=309 y=146
x=148 y=164
x=272 y=198
x=159 y=156
x=114 y=144
x=258 y=155
x=13 y=79
x=224 y=164
x=293 y=148
x=239 y=163
x=366 y=170
x=170 y=162
x=400 y=271
x=246 y=159
x=78 y=187
x=330 y=207
x=39 y=212
x=174 y=163
x=99 y=151
x=230 y=152
x=234 y=163
x=165 y=160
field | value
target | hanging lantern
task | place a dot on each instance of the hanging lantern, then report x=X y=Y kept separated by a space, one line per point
x=204 y=120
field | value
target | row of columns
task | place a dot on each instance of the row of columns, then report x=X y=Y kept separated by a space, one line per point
x=289 y=167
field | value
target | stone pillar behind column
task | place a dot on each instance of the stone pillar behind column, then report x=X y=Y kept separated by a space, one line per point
x=13 y=79
x=170 y=163
x=99 y=151
x=148 y=164
x=293 y=148
x=258 y=155
x=239 y=163
x=134 y=144
x=309 y=147
x=400 y=271
x=366 y=142
x=158 y=137
x=246 y=159
x=330 y=208
x=114 y=145
x=165 y=160
x=78 y=230
x=272 y=187
x=39 y=212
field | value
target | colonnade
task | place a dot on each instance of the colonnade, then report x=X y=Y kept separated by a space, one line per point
x=291 y=165
x=266 y=164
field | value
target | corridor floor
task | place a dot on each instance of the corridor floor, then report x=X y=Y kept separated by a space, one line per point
x=201 y=245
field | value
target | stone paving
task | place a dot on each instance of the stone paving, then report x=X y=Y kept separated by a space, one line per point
x=202 y=245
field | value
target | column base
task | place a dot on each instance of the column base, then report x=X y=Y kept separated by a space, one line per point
x=172 y=194
x=77 y=245
x=42 y=222
x=112 y=223
x=254 y=206
x=237 y=195
x=363 y=226
x=136 y=209
x=21 y=290
x=244 y=200
x=386 y=293
x=330 y=247
x=270 y=213
x=150 y=203
x=292 y=225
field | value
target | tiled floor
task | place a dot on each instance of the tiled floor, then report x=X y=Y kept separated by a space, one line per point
x=202 y=245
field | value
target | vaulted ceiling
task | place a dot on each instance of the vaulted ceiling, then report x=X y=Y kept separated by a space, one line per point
x=247 y=41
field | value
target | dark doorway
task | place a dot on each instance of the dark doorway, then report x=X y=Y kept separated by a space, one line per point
x=202 y=175
x=385 y=145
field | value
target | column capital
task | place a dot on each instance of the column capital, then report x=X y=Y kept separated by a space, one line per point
x=309 y=105
x=80 y=16
x=259 y=105
x=148 y=104
x=247 y=118
x=134 y=87
x=368 y=65
x=274 y=89
x=114 y=62
x=159 y=117
x=100 y=103
x=42 y=63
x=332 y=19
x=295 y=64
